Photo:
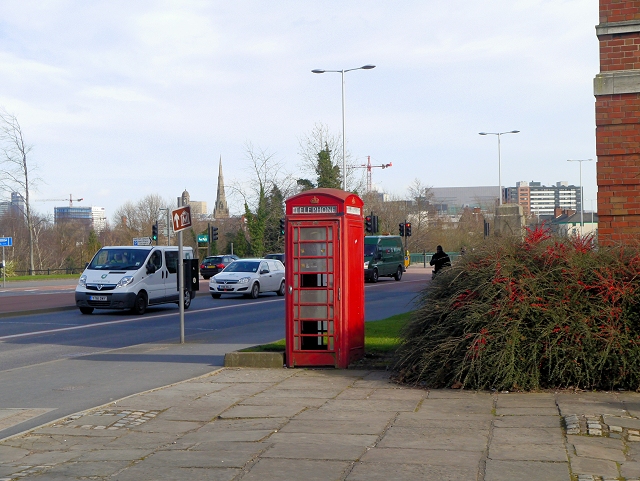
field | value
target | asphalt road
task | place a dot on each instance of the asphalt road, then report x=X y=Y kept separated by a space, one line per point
x=58 y=363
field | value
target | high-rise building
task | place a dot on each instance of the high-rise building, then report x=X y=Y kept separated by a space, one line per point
x=544 y=201
x=93 y=217
x=221 y=210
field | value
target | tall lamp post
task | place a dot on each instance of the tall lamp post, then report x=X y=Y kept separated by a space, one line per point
x=344 y=160
x=581 y=195
x=498 y=134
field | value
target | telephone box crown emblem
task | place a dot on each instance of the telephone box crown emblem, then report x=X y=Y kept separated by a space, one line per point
x=314 y=200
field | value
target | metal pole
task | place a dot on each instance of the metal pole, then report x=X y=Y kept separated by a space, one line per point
x=181 y=282
x=499 y=174
x=344 y=141
x=4 y=270
x=581 y=206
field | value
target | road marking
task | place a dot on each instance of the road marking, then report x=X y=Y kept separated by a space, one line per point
x=124 y=321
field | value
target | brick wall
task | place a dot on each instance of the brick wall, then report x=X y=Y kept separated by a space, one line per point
x=618 y=124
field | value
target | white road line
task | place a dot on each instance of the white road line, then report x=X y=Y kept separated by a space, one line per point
x=124 y=321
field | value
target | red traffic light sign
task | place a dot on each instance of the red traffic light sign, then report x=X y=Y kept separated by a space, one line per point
x=181 y=218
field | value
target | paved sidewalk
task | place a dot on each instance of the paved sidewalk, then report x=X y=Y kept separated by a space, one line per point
x=303 y=424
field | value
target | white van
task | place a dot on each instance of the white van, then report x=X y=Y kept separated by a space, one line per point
x=131 y=277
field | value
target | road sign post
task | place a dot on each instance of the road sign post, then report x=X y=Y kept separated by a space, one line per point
x=5 y=242
x=181 y=220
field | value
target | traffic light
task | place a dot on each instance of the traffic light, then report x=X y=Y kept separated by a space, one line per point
x=214 y=233
x=401 y=227
x=368 y=224
x=374 y=224
x=154 y=232
x=407 y=229
x=282 y=230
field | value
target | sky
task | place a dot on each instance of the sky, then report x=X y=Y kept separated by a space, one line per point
x=123 y=99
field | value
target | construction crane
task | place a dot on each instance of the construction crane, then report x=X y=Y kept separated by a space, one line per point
x=71 y=200
x=368 y=166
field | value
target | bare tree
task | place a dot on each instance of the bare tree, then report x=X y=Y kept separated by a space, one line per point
x=321 y=139
x=15 y=171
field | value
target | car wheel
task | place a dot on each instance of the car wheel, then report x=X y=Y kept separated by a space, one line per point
x=86 y=310
x=280 y=291
x=187 y=299
x=398 y=275
x=374 y=276
x=140 y=304
x=216 y=296
x=255 y=290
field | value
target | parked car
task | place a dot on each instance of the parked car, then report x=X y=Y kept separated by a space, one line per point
x=278 y=256
x=249 y=277
x=211 y=265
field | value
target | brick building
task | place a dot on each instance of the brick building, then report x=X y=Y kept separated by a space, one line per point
x=617 y=92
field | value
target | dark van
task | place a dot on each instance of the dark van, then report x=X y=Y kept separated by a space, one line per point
x=383 y=257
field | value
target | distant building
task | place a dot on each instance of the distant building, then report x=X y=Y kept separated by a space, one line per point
x=92 y=217
x=221 y=210
x=14 y=207
x=567 y=223
x=452 y=200
x=544 y=201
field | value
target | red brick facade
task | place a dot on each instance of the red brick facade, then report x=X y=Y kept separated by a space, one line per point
x=617 y=91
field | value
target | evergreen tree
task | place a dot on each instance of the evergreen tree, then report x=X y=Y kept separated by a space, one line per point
x=273 y=240
x=328 y=173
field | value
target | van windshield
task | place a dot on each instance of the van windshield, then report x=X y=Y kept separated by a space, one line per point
x=121 y=259
x=369 y=250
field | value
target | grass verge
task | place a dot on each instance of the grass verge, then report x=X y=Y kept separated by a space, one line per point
x=39 y=277
x=381 y=339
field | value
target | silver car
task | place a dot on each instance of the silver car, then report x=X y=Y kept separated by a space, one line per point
x=249 y=277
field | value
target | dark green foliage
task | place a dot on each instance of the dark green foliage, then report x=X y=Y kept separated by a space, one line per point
x=541 y=312
x=328 y=173
x=273 y=240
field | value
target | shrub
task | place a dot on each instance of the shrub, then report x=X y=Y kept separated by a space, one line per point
x=531 y=313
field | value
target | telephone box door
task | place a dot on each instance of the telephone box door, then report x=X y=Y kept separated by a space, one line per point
x=314 y=294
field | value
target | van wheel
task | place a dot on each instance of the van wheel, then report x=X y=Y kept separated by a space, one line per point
x=398 y=275
x=86 y=310
x=187 y=299
x=255 y=290
x=216 y=296
x=280 y=291
x=374 y=276
x=140 y=304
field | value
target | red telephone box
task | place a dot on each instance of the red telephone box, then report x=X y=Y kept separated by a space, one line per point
x=324 y=255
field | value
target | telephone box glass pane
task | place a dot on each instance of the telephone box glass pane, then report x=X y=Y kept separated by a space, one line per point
x=313 y=296
x=330 y=233
x=330 y=265
x=313 y=233
x=313 y=312
x=313 y=280
x=313 y=265
x=295 y=250
x=314 y=249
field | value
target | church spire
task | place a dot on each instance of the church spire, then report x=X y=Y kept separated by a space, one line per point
x=221 y=210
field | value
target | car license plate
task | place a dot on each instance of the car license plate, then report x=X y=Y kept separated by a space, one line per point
x=97 y=298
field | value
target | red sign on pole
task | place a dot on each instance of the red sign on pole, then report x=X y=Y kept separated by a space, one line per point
x=181 y=218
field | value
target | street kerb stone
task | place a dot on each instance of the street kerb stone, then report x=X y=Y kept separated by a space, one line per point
x=142 y=471
x=527 y=452
x=599 y=452
x=324 y=438
x=526 y=400
x=597 y=467
x=431 y=457
x=411 y=472
x=269 y=360
x=435 y=438
x=527 y=421
x=624 y=422
x=498 y=470
x=417 y=420
x=368 y=405
x=333 y=451
x=260 y=412
x=275 y=469
x=528 y=436
x=522 y=411
x=368 y=426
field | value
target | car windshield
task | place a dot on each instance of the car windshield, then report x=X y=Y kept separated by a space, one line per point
x=369 y=250
x=242 y=266
x=121 y=259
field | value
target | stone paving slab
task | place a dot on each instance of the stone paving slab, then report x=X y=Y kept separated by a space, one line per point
x=330 y=424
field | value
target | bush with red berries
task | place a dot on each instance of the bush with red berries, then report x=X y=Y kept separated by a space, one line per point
x=529 y=313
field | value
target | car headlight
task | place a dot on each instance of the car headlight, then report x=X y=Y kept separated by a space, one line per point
x=244 y=280
x=125 y=281
x=82 y=282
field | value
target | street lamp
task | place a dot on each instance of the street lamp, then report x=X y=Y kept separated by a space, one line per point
x=344 y=160
x=581 y=195
x=499 y=174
